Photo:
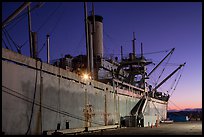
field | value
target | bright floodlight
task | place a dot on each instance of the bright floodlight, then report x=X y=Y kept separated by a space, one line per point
x=85 y=76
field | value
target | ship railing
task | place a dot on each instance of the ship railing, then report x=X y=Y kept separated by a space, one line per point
x=116 y=60
x=128 y=85
x=127 y=89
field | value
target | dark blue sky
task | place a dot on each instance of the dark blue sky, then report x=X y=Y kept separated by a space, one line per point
x=159 y=26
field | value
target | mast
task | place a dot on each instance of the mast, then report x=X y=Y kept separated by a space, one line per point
x=144 y=69
x=93 y=43
x=87 y=38
x=121 y=52
x=133 y=44
x=30 y=33
x=48 y=48
x=141 y=50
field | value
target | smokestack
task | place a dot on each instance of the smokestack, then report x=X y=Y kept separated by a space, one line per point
x=98 y=35
x=95 y=43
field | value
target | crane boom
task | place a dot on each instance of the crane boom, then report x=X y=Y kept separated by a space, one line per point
x=168 y=76
x=15 y=13
x=161 y=61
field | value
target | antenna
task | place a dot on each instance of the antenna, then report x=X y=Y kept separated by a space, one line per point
x=133 y=44
x=141 y=50
x=121 y=52
x=48 y=48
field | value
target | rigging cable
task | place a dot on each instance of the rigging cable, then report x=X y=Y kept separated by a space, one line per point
x=20 y=19
x=53 y=29
x=4 y=43
x=49 y=17
x=157 y=52
x=178 y=114
x=157 y=110
x=105 y=34
x=168 y=63
x=76 y=49
x=177 y=82
x=7 y=40
x=32 y=109
x=163 y=70
x=152 y=80
x=113 y=42
x=41 y=49
x=175 y=105
x=173 y=83
x=24 y=14
x=18 y=48
x=57 y=21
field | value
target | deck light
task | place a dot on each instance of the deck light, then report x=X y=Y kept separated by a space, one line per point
x=86 y=76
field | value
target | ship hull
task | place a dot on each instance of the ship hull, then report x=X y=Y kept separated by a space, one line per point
x=60 y=99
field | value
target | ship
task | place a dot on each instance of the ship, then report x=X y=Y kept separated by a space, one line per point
x=79 y=94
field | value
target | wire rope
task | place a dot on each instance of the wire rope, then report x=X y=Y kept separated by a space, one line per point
x=163 y=69
x=32 y=109
x=7 y=40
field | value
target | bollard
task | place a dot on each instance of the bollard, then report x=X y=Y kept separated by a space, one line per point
x=157 y=123
x=58 y=126
x=151 y=125
x=67 y=124
x=86 y=129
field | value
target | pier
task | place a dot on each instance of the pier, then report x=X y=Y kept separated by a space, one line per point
x=175 y=128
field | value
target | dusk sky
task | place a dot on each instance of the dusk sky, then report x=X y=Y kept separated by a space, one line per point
x=159 y=26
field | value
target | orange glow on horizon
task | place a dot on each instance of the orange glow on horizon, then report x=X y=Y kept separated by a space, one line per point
x=184 y=106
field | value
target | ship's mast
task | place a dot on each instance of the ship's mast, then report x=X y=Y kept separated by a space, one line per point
x=30 y=32
x=93 y=43
x=133 y=45
x=121 y=50
x=87 y=38
x=48 y=48
x=144 y=69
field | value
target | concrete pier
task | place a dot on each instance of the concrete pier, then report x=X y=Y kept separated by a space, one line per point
x=176 y=128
